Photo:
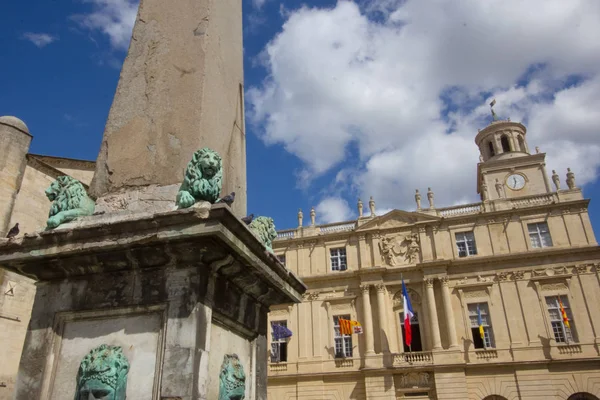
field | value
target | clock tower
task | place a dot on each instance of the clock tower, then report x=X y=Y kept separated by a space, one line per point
x=507 y=169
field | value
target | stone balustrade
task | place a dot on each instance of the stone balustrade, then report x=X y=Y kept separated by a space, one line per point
x=349 y=226
x=460 y=210
x=344 y=362
x=287 y=234
x=415 y=357
x=569 y=349
x=486 y=354
x=278 y=367
x=534 y=200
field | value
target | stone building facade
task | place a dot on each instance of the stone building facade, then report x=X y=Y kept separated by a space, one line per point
x=23 y=178
x=516 y=255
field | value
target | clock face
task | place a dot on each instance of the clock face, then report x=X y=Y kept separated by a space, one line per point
x=515 y=181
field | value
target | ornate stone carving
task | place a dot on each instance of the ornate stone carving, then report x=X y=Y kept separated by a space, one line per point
x=300 y=217
x=483 y=279
x=264 y=229
x=103 y=374
x=556 y=180
x=554 y=286
x=232 y=380
x=380 y=287
x=400 y=251
x=372 y=206
x=518 y=275
x=428 y=282
x=313 y=216
x=443 y=280
x=484 y=190
x=550 y=271
x=415 y=379
x=418 y=199
x=475 y=293
x=463 y=281
x=202 y=180
x=360 y=208
x=365 y=288
x=499 y=189
x=398 y=299
x=501 y=276
x=430 y=197
x=69 y=201
x=581 y=268
x=570 y=179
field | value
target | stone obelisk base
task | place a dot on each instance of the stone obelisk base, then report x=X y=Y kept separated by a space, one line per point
x=179 y=292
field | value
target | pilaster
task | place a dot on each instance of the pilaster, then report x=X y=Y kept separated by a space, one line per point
x=433 y=316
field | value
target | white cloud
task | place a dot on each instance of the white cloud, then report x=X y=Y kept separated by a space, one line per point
x=333 y=209
x=339 y=78
x=115 y=18
x=40 y=39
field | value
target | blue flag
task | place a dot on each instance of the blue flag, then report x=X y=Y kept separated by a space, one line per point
x=280 y=331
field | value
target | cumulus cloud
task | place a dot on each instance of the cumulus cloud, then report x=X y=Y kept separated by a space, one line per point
x=406 y=84
x=40 y=39
x=333 y=209
x=115 y=18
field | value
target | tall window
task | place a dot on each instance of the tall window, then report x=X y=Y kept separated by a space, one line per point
x=488 y=336
x=279 y=345
x=338 y=259
x=505 y=144
x=281 y=258
x=465 y=243
x=343 y=343
x=491 y=148
x=562 y=333
x=416 y=344
x=539 y=235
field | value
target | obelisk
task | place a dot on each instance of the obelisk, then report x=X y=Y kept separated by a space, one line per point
x=180 y=89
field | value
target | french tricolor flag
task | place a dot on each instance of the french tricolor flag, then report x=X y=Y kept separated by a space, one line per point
x=408 y=314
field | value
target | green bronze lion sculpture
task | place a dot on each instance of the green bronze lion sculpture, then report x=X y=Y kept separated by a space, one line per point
x=232 y=379
x=203 y=179
x=264 y=228
x=69 y=201
x=103 y=374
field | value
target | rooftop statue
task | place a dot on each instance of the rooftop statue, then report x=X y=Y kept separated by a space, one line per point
x=203 y=179
x=232 y=380
x=103 y=374
x=264 y=228
x=69 y=201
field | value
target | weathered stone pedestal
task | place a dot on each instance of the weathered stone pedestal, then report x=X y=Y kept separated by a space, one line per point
x=177 y=291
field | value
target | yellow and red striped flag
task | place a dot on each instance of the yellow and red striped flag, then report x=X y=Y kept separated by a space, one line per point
x=564 y=314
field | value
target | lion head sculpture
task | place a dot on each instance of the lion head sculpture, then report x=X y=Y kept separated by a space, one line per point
x=203 y=179
x=69 y=201
x=232 y=379
x=103 y=374
x=264 y=228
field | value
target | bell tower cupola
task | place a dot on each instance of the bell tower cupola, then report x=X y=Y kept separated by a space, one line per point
x=506 y=168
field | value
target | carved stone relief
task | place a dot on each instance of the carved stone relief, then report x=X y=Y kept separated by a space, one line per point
x=398 y=299
x=475 y=293
x=400 y=250
x=554 y=286
x=415 y=379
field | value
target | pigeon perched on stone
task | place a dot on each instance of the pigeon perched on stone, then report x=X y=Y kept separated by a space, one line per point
x=227 y=199
x=247 y=220
x=14 y=231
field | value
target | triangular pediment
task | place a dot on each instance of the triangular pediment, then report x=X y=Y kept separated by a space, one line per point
x=397 y=219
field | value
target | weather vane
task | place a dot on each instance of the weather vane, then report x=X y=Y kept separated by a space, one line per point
x=494 y=117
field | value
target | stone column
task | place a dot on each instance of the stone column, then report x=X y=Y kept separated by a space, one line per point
x=368 y=319
x=376 y=252
x=180 y=89
x=449 y=312
x=433 y=317
x=385 y=348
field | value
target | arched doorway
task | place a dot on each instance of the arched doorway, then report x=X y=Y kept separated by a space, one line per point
x=494 y=397
x=582 y=396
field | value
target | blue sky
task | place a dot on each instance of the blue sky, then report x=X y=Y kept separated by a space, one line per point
x=344 y=100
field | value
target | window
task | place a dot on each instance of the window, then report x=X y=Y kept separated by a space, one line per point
x=562 y=333
x=416 y=344
x=343 y=343
x=279 y=346
x=539 y=235
x=488 y=336
x=465 y=244
x=281 y=258
x=491 y=148
x=505 y=144
x=338 y=259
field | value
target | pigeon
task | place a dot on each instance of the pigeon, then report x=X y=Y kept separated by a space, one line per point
x=247 y=220
x=14 y=231
x=227 y=199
